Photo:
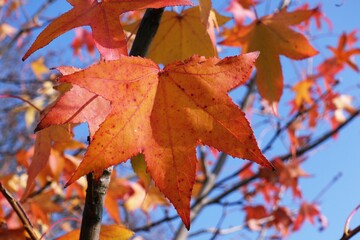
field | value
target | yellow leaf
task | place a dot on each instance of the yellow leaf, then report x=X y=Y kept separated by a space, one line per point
x=302 y=90
x=39 y=68
x=180 y=36
x=139 y=167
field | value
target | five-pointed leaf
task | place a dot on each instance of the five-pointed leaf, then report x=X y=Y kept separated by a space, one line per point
x=343 y=55
x=103 y=18
x=272 y=36
x=164 y=114
x=181 y=35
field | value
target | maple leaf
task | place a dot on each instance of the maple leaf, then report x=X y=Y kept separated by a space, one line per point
x=75 y=106
x=280 y=40
x=342 y=57
x=205 y=7
x=181 y=35
x=119 y=189
x=164 y=114
x=240 y=12
x=144 y=199
x=107 y=232
x=318 y=16
x=43 y=143
x=253 y=215
x=308 y=212
x=303 y=90
x=139 y=166
x=290 y=174
x=39 y=68
x=82 y=38
x=103 y=18
x=282 y=220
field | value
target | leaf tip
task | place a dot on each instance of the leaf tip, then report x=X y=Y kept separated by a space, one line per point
x=255 y=54
x=26 y=55
x=275 y=108
x=38 y=128
x=72 y=179
x=67 y=184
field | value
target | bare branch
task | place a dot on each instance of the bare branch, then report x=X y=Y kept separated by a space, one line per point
x=16 y=206
x=347 y=232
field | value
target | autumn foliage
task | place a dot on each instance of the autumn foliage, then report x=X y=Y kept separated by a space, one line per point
x=169 y=114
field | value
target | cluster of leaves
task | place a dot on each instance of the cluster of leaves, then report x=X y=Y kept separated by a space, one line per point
x=157 y=117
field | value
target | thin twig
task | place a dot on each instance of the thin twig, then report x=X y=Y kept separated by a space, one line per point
x=327 y=187
x=321 y=139
x=20 y=98
x=41 y=9
x=347 y=232
x=16 y=206
x=291 y=121
x=219 y=231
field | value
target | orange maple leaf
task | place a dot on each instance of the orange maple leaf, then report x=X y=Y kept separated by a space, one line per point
x=272 y=36
x=308 y=211
x=343 y=55
x=43 y=143
x=75 y=106
x=103 y=18
x=164 y=114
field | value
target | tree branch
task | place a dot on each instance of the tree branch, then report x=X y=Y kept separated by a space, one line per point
x=291 y=121
x=147 y=30
x=16 y=206
x=26 y=29
x=350 y=233
x=94 y=201
x=321 y=139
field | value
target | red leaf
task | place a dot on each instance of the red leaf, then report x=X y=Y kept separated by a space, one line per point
x=103 y=18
